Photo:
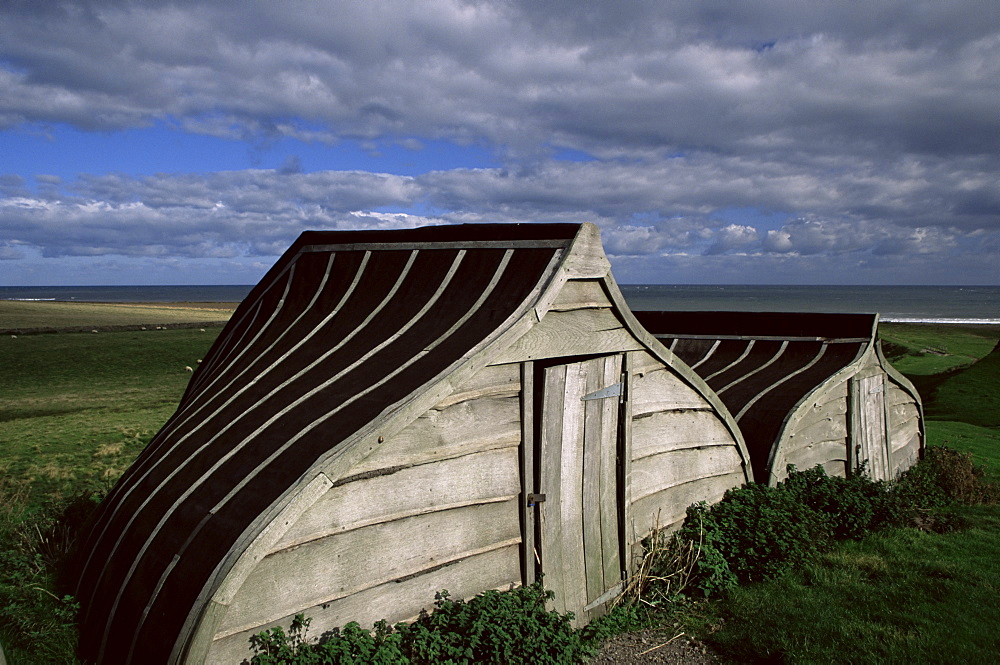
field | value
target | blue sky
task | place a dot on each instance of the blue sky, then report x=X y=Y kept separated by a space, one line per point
x=712 y=142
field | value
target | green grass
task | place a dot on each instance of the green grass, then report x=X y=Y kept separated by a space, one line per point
x=924 y=349
x=76 y=408
x=904 y=596
x=18 y=315
x=982 y=442
x=970 y=396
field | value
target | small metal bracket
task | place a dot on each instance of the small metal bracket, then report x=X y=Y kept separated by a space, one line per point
x=614 y=390
x=606 y=596
x=535 y=499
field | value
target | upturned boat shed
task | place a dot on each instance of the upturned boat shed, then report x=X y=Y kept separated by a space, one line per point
x=393 y=413
x=805 y=388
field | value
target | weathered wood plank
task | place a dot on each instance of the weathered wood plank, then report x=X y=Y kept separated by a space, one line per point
x=571 y=497
x=657 y=472
x=460 y=429
x=586 y=258
x=609 y=477
x=642 y=362
x=831 y=392
x=667 y=508
x=625 y=461
x=393 y=601
x=577 y=332
x=905 y=456
x=550 y=461
x=870 y=370
x=835 y=468
x=494 y=381
x=901 y=413
x=819 y=411
x=826 y=429
x=580 y=294
x=529 y=553
x=591 y=514
x=871 y=431
x=324 y=570
x=676 y=430
x=896 y=395
x=813 y=453
x=662 y=390
x=903 y=434
x=410 y=491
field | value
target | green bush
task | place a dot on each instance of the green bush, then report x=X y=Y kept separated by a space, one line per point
x=494 y=627
x=758 y=531
x=851 y=507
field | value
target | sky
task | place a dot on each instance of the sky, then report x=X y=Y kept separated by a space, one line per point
x=711 y=141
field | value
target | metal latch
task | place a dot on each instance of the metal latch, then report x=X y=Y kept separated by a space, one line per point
x=535 y=499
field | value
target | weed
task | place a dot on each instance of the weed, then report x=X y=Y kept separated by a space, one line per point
x=38 y=618
x=494 y=627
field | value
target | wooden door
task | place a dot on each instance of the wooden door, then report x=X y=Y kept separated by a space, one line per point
x=872 y=443
x=579 y=541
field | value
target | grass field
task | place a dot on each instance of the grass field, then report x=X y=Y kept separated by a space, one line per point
x=19 y=316
x=76 y=408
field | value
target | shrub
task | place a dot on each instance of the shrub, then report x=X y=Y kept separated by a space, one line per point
x=851 y=507
x=957 y=478
x=494 y=627
x=757 y=531
x=351 y=645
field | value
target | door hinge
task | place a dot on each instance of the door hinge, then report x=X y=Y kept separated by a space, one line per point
x=614 y=390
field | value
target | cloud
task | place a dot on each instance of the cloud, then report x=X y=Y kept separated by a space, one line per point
x=874 y=132
x=733 y=236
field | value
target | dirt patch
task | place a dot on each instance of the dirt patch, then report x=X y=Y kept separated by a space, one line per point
x=654 y=646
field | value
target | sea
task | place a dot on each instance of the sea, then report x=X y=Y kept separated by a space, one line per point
x=927 y=304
